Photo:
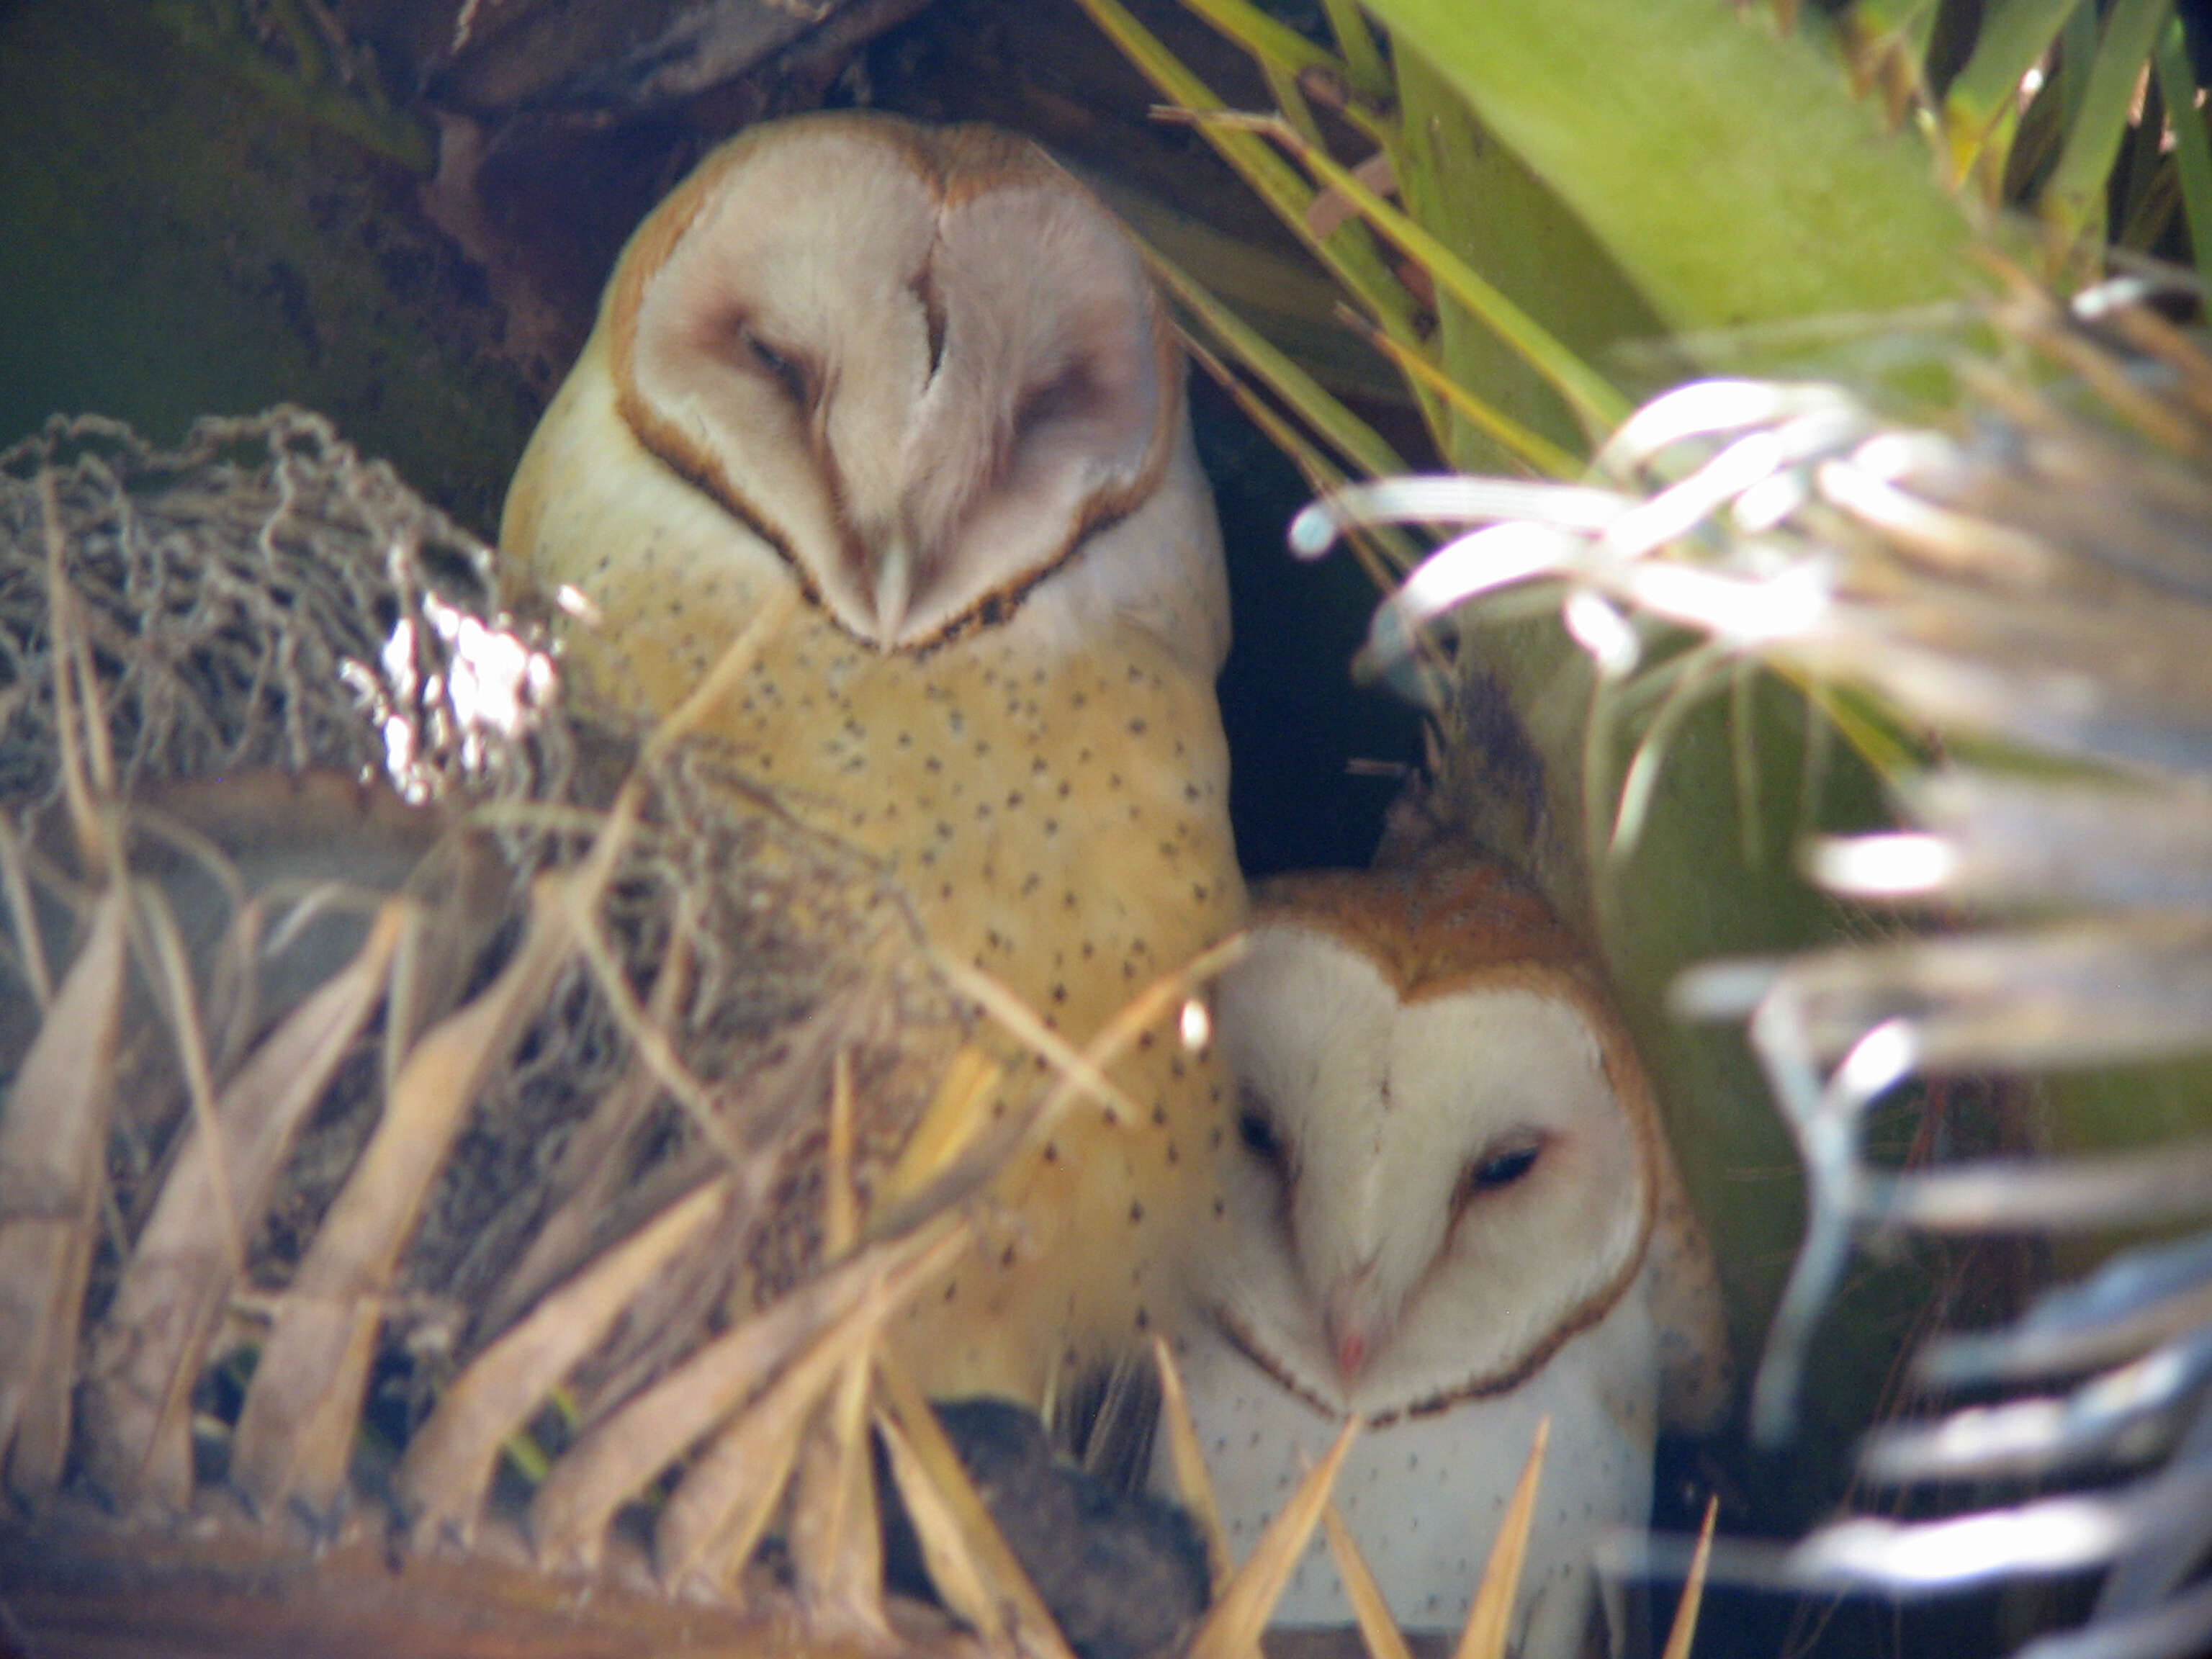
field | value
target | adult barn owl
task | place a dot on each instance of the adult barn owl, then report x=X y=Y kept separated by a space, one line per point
x=1453 y=1215
x=920 y=377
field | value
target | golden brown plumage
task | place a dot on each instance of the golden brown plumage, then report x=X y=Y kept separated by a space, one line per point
x=921 y=377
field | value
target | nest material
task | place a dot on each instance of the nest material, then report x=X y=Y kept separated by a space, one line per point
x=243 y=599
x=308 y=859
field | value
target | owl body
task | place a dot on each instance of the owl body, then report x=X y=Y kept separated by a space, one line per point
x=1451 y=1214
x=1001 y=684
x=1423 y=1493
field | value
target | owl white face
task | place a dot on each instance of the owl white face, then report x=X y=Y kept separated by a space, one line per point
x=1451 y=1214
x=1432 y=1193
x=921 y=365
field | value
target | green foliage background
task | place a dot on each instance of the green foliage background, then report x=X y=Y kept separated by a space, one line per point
x=1597 y=198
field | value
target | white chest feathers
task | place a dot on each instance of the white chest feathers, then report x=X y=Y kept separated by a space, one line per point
x=1452 y=1214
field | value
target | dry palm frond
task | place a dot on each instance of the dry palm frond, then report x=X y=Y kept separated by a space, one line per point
x=348 y=967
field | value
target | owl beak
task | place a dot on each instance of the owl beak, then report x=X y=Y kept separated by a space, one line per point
x=1351 y=1349
x=894 y=588
x=1348 y=1322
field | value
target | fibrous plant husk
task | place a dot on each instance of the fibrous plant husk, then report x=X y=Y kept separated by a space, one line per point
x=385 y=1032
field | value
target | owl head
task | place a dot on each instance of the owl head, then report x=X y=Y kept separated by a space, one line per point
x=921 y=365
x=1449 y=1164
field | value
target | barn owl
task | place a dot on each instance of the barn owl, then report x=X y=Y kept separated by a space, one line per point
x=1453 y=1215
x=920 y=377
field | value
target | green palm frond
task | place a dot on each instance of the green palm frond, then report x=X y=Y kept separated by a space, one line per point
x=1580 y=203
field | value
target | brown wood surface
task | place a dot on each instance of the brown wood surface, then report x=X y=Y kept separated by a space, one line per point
x=79 y=1586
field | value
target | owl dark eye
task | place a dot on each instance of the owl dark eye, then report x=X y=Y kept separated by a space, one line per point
x=1494 y=1171
x=1066 y=393
x=1257 y=1131
x=785 y=369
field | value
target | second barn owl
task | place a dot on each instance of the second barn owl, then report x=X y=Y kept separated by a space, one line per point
x=1453 y=1215
x=920 y=377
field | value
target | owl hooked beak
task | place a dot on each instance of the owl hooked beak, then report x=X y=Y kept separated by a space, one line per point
x=892 y=559
x=1354 y=1323
x=892 y=586
x=902 y=550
